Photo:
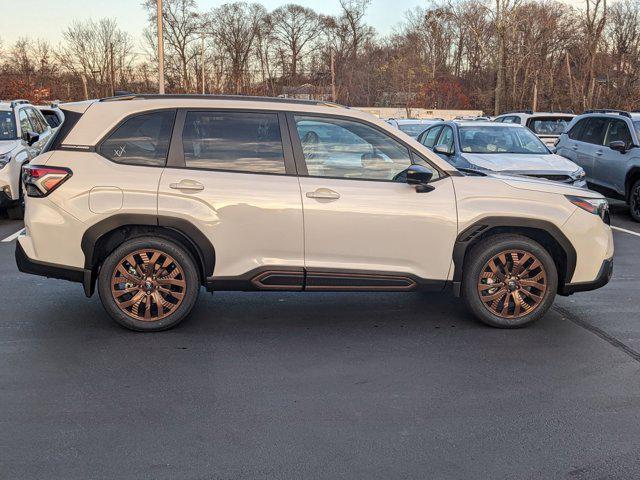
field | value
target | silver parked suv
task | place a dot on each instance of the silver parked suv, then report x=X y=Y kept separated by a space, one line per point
x=23 y=134
x=605 y=143
x=152 y=197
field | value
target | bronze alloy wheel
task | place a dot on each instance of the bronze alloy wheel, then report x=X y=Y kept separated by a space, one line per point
x=512 y=284
x=148 y=285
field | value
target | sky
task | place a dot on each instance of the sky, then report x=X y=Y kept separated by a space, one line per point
x=46 y=19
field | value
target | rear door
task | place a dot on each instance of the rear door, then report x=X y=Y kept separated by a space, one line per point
x=232 y=175
x=590 y=148
x=610 y=164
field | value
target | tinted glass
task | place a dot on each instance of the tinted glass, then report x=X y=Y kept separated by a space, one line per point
x=594 y=130
x=494 y=139
x=446 y=139
x=548 y=125
x=511 y=120
x=414 y=129
x=36 y=121
x=234 y=141
x=429 y=139
x=347 y=149
x=576 y=131
x=141 y=140
x=51 y=118
x=7 y=126
x=25 y=125
x=618 y=131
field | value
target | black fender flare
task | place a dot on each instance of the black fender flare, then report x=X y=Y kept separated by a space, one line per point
x=472 y=234
x=181 y=227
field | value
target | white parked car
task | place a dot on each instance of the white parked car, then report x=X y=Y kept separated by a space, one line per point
x=546 y=125
x=412 y=127
x=153 y=197
x=23 y=134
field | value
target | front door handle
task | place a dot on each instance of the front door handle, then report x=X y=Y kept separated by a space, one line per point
x=187 y=185
x=323 y=194
x=575 y=147
x=599 y=153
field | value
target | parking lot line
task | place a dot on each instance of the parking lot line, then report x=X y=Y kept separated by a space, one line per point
x=630 y=232
x=11 y=238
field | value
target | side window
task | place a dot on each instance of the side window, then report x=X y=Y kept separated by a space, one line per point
x=25 y=125
x=512 y=119
x=576 y=131
x=348 y=149
x=429 y=138
x=35 y=121
x=594 y=130
x=618 y=131
x=446 y=139
x=141 y=140
x=233 y=141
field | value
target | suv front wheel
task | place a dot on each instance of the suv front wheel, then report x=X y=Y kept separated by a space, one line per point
x=510 y=281
x=148 y=284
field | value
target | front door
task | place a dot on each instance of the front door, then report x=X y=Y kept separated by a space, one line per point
x=364 y=226
x=231 y=175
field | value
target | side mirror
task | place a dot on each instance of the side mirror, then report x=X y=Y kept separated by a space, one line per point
x=553 y=149
x=420 y=177
x=442 y=150
x=30 y=137
x=618 y=146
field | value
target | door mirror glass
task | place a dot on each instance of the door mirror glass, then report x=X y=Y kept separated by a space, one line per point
x=553 y=149
x=30 y=137
x=618 y=146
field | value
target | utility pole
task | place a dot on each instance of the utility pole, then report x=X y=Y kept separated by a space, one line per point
x=160 y=51
x=112 y=73
x=334 y=96
x=202 y=60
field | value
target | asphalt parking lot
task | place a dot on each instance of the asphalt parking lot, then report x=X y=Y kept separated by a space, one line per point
x=372 y=386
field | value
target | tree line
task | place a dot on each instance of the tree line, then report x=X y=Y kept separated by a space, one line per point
x=493 y=55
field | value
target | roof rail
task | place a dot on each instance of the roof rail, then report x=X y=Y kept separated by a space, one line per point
x=246 y=98
x=624 y=113
x=15 y=103
x=529 y=112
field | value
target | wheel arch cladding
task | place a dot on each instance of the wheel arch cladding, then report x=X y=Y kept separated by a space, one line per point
x=105 y=236
x=541 y=231
x=633 y=175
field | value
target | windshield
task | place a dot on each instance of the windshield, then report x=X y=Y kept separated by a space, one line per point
x=548 y=125
x=413 y=129
x=494 y=139
x=7 y=126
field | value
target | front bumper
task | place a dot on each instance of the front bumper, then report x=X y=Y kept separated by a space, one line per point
x=604 y=276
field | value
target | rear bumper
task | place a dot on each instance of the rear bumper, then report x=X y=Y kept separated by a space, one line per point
x=604 y=276
x=79 y=275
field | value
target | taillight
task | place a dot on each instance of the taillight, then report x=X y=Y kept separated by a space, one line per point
x=41 y=181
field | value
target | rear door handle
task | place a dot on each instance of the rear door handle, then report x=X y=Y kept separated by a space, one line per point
x=187 y=185
x=599 y=153
x=575 y=147
x=323 y=194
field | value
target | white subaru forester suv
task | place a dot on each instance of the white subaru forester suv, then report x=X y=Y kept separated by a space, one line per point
x=152 y=197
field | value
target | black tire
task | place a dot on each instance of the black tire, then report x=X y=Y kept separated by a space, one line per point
x=16 y=212
x=477 y=261
x=634 y=201
x=189 y=273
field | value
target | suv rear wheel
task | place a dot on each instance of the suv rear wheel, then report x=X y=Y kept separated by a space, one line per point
x=148 y=284
x=510 y=281
x=634 y=201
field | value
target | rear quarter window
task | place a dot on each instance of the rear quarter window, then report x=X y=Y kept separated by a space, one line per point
x=140 y=140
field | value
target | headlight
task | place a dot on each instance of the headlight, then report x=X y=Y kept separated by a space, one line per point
x=579 y=174
x=596 y=206
x=4 y=159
